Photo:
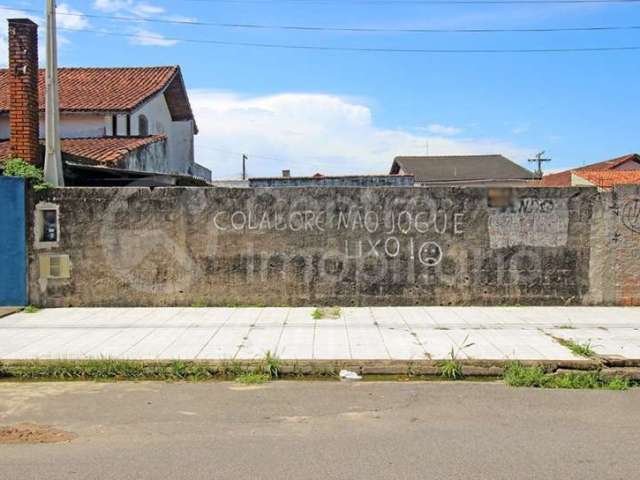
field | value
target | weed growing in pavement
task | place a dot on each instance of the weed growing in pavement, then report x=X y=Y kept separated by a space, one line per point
x=580 y=349
x=451 y=368
x=326 y=312
x=271 y=365
x=518 y=375
x=30 y=309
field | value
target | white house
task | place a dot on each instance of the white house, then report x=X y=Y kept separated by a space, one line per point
x=136 y=119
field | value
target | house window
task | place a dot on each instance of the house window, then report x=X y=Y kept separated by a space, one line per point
x=114 y=126
x=143 y=126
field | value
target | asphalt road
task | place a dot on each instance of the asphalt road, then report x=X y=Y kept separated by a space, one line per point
x=322 y=430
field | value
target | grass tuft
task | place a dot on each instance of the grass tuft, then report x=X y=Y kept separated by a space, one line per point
x=30 y=309
x=518 y=375
x=326 y=312
x=451 y=368
x=580 y=349
x=271 y=365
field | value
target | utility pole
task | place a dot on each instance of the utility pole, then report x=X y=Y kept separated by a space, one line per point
x=244 y=166
x=53 y=172
x=539 y=160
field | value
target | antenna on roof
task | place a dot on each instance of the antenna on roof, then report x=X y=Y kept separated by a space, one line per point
x=539 y=160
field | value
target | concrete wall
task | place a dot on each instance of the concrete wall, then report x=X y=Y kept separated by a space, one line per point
x=345 y=246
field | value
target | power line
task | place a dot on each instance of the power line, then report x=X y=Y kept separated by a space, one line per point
x=425 y=2
x=355 y=49
x=311 y=28
x=347 y=29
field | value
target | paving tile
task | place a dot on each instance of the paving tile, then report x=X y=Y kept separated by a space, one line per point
x=359 y=333
x=48 y=346
x=400 y=341
x=265 y=335
x=365 y=339
x=331 y=341
x=124 y=340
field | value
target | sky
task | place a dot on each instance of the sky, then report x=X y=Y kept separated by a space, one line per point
x=341 y=112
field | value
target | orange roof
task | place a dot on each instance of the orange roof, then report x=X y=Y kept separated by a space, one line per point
x=610 y=164
x=608 y=179
x=563 y=179
x=105 y=151
x=100 y=89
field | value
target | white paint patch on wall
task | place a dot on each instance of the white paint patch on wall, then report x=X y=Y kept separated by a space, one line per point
x=530 y=222
x=71 y=126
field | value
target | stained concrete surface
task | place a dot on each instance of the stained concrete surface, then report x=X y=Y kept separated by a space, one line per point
x=322 y=430
x=359 y=333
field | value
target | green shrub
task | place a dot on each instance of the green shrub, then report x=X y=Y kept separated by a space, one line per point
x=16 y=167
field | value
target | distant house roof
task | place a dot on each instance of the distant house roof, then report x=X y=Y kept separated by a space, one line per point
x=111 y=90
x=320 y=180
x=460 y=168
x=608 y=179
x=614 y=170
x=104 y=151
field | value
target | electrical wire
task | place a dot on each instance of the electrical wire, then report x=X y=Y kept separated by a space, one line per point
x=311 y=28
x=355 y=49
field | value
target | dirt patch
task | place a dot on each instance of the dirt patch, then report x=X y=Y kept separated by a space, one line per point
x=31 y=433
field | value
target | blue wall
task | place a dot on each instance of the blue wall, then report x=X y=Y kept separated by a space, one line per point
x=13 y=252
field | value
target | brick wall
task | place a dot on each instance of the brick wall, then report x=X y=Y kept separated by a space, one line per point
x=23 y=89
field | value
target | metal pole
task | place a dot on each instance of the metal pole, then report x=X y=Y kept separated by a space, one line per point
x=53 y=172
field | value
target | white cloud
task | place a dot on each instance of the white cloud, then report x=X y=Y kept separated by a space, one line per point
x=140 y=36
x=311 y=133
x=112 y=5
x=71 y=18
x=151 y=39
x=144 y=9
x=438 y=129
x=4 y=32
x=141 y=9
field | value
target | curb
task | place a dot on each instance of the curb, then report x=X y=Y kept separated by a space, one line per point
x=470 y=367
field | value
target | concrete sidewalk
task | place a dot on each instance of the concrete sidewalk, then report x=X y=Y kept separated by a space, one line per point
x=380 y=333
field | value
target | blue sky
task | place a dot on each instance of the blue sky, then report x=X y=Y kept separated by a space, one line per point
x=348 y=112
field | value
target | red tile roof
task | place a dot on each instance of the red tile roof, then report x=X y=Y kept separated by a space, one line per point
x=610 y=164
x=105 y=151
x=563 y=179
x=608 y=179
x=100 y=89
